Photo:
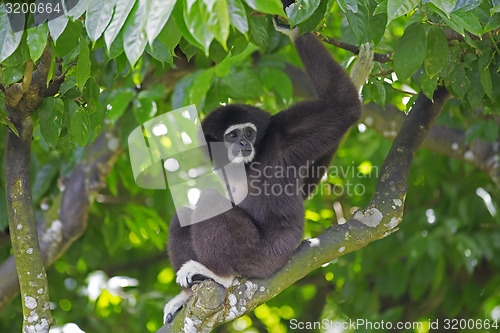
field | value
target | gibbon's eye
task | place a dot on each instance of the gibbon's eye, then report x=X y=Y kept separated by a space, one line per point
x=232 y=134
x=249 y=132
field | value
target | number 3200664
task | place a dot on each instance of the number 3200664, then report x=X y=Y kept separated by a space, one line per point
x=24 y=8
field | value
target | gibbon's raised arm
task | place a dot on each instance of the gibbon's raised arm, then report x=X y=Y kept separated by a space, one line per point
x=314 y=126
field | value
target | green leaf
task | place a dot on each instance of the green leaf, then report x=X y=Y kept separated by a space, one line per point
x=243 y=84
x=200 y=87
x=44 y=178
x=381 y=8
x=94 y=107
x=491 y=131
x=19 y=57
x=116 y=48
x=258 y=31
x=283 y=85
x=155 y=93
x=8 y=40
x=458 y=28
x=381 y=94
x=3 y=116
x=217 y=20
x=301 y=10
x=495 y=9
x=145 y=107
x=475 y=94
x=119 y=103
x=57 y=26
x=77 y=11
x=188 y=49
x=223 y=68
x=50 y=114
x=239 y=45
x=159 y=14
x=397 y=8
x=445 y=5
x=351 y=5
x=377 y=27
x=178 y=14
x=98 y=17
x=428 y=85
x=437 y=51
x=134 y=36
x=181 y=90
x=83 y=64
x=468 y=21
x=459 y=82
x=68 y=87
x=267 y=76
x=493 y=23
x=12 y=74
x=144 y=110
x=170 y=36
x=466 y=5
x=321 y=13
x=495 y=81
x=122 y=10
x=217 y=52
x=267 y=7
x=238 y=15
x=37 y=39
x=68 y=41
x=160 y=52
x=195 y=24
x=486 y=81
x=80 y=126
x=409 y=53
x=358 y=23
x=474 y=131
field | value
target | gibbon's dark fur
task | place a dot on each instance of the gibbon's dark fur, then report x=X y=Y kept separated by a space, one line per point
x=256 y=238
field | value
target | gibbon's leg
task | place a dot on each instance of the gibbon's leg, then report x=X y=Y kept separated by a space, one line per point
x=175 y=304
x=231 y=244
x=180 y=245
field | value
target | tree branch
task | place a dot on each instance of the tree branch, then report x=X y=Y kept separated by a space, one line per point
x=212 y=305
x=21 y=99
x=67 y=219
x=379 y=57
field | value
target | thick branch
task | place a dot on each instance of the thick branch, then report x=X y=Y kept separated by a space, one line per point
x=22 y=226
x=442 y=139
x=59 y=230
x=21 y=99
x=212 y=305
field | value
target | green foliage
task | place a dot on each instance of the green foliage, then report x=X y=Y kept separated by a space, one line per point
x=132 y=60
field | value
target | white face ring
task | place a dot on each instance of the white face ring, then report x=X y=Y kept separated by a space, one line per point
x=240 y=159
x=240 y=127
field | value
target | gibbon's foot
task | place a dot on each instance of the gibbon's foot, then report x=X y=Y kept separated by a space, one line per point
x=175 y=304
x=285 y=29
x=362 y=68
x=193 y=272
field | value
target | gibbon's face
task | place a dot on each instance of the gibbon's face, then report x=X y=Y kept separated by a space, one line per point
x=240 y=140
